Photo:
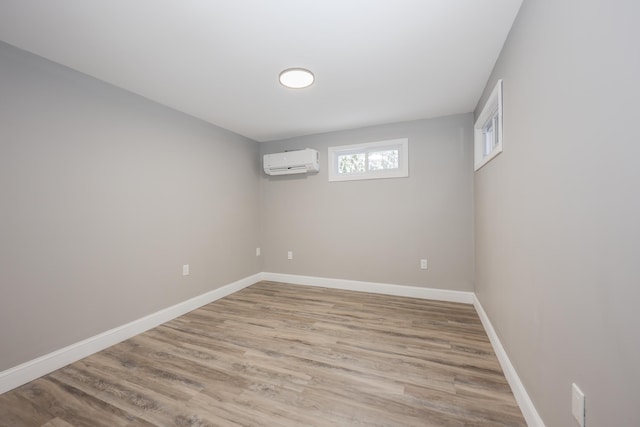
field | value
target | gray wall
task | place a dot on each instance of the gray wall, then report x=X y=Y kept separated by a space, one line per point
x=103 y=196
x=558 y=212
x=377 y=230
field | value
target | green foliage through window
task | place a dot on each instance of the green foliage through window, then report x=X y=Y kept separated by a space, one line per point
x=383 y=160
x=351 y=163
x=369 y=160
x=373 y=161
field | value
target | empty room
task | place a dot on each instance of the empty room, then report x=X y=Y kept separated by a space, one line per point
x=319 y=213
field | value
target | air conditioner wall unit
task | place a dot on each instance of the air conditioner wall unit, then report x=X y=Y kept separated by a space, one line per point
x=290 y=162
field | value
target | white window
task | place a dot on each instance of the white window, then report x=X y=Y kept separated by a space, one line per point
x=488 y=129
x=371 y=160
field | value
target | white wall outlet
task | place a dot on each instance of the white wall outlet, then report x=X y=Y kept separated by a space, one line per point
x=423 y=264
x=290 y=255
x=257 y=251
x=185 y=270
x=577 y=404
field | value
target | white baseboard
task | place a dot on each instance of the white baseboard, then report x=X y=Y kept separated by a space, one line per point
x=29 y=371
x=376 y=288
x=529 y=411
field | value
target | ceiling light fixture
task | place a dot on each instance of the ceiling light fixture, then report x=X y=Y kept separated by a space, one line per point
x=296 y=78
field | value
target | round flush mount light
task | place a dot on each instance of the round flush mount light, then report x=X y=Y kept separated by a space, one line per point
x=296 y=78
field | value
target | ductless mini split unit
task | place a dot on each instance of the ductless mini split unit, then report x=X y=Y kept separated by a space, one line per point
x=290 y=162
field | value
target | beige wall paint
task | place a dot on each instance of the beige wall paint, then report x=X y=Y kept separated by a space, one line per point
x=103 y=196
x=377 y=230
x=557 y=213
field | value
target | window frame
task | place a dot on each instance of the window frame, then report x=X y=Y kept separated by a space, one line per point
x=491 y=116
x=401 y=144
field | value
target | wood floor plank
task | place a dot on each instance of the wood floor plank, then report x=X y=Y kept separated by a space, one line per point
x=284 y=355
x=16 y=410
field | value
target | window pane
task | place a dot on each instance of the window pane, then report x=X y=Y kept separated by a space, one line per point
x=369 y=160
x=382 y=160
x=351 y=163
x=489 y=137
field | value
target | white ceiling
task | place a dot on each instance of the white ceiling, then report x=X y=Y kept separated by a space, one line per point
x=375 y=61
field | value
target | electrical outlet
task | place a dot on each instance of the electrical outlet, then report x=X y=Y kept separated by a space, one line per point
x=185 y=270
x=423 y=264
x=257 y=251
x=577 y=404
x=290 y=255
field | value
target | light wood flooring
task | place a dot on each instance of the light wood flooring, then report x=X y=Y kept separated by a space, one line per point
x=284 y=355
